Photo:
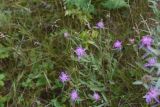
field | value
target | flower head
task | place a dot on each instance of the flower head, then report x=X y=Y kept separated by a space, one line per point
x=131 y=40
x=153 y=93
x=96 y=96
x=66 y=34
x=74 y=95
x=80 y=52
x=117 y=44
x=64 y=77
x=100 y=25
x=146 y=41
x=151 y=62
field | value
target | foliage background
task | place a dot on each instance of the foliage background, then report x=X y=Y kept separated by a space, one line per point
x=33 y=51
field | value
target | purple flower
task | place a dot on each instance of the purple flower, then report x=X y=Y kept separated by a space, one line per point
x=146 y=41
x=151 y=62
x=74 y=95
x=100 y=25
x=66 y=34
x=80 y=52
x=64 y=77
x=117 y=44
x=96 y=96
x=153 y=93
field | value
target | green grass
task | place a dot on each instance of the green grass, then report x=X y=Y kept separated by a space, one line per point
x=35 y=52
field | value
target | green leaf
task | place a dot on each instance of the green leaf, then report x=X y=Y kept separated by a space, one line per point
x=1 y=83
x=1 y=104
x=41 y=81
x=4 y=52
x=2 y=76
x=93 y=86
x=155 y=51
x=95 y=34
x=84 y=5
x=137 y=83
x=5 y=18
x=158 y=83
x=104 y=97
x=55 y=103
x=115 y=4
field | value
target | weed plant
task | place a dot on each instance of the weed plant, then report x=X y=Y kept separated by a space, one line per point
x=75 y=53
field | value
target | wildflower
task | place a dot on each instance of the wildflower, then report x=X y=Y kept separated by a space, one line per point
x=152 y=94
x=151 y=62
x=80 y=52
x=100 y=25
x=131 y=40
x=146 y=41
x=117 y=44
x=96 y=96
x=66 y=34
x=64 y=77
x=74 y=95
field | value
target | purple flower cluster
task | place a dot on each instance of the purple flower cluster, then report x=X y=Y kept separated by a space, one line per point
x=96 y=96
x=64 y=77
x=81 y=52
x=117 y=44
x=146 y=41
x=74 y=95
x=151 y=62
x=100 y=25
x=152 y=94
